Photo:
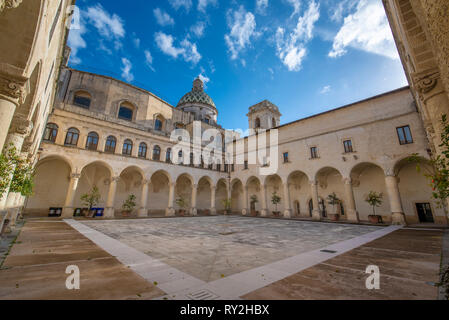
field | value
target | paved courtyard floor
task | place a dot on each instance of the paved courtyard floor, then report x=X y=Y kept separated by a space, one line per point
x=210 y=248
x=222 y=257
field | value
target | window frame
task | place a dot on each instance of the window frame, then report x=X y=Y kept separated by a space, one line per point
x=157 y=152
x=348 y=146
x=108 y=148
x=314 y=153
x=92 y=141
x=72 y=134
x=130 y=144
x=141 y=154
x=127 y=108
x=285 y=157
x=52 y=132
x=405 y=135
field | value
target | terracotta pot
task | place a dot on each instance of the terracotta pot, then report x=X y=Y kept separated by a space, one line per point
x=126 y=213
x=334 y=217
x=254 y=213
x=375 y=219
x=276 y=213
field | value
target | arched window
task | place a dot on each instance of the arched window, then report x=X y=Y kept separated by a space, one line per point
x=51 y=131
x=157 y=153
x=207 y=120
x=82 y=99
x=71 y=139
x=111 y=142
x=143 y=150
x=168 y=155
x=273 y=122
x=159 y=123
x=126 y=112
x=191 y=159
x=127 y=147
x=257 y=125
x=180 y=157
x=92 y=141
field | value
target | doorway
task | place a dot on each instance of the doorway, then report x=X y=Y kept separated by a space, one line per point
x=424 y=213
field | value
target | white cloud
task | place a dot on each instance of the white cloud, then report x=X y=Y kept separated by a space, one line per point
x=342 y=8
x=187 y=50
x=292 y=49
x=149 y=60
x=126 y=70
x=243 y=28
x=77 y=42
x=202 y=4
x=204 y=78
x=198 y=29
x=176 y=4
x=108 y=25
x=296 y=6
x=163 y=18
x=325 y=89
x=136 y=42
x=261 y=6
x=366 y=29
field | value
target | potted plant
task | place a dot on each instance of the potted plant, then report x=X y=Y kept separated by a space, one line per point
x=254 y=200
x=227 y=205
x=374 y=199
x=90 y=200
x=129 y=205
x=182 y=204
x=334 y=201
x=275 y=199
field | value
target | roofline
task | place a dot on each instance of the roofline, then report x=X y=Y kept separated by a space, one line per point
x=346 y=106
x=123 y=82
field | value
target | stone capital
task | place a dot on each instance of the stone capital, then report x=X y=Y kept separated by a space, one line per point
x=9 y=4
x=21 y=126
x=13 y=86
x=425 y=82
x=75 y=175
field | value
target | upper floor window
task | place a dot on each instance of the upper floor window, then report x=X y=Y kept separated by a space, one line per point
x=218 y=167
x=191 y=159
x=245 y=166
x=273 y=122
x=51 y=131
x=168 y=155
x=207 y=120
x=143 y=150
x=314 y=153
x=257 y=123
x=405 y=135
x=232 y=167
x=125 y=113
x=159 y=123
x=111 y=143
x=71 y=139
x=285 y=155
x=180 y=157
x=82 y=99
x=92 y=141
x=156 y=153
x=348 y=146
x=127 y=147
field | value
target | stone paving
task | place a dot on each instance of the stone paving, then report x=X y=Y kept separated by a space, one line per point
x=211 y=248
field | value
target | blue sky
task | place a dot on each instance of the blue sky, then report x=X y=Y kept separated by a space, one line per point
x=305 y=56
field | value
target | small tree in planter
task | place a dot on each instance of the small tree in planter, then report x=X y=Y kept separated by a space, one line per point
x=333 y=200
x=129 y=205
x=374 y=199
x=182 y=204
x=253 y=201
x=275 y=199
x=90 y=200
x=227 y=205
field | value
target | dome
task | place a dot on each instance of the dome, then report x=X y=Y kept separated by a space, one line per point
x=197 y=95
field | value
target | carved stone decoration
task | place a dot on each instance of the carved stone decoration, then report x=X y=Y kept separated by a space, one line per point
x=9 y=4
x=14 y=88
x=21 y=126
x=426 y=82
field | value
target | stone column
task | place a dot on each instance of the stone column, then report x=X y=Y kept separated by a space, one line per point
x=316 y=209
x=287 y=205
x=263 y=191
x=170 y=211
x=143 y=210
x=68 y=209
x=351 y=213
x=193 y=209
x=397 y=213
x=213 y=209
x=19 y=129
x=110 y=203
x=13 y=91
x=245 y=210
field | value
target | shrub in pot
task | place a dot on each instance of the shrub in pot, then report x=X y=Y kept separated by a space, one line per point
x=90 y=200
x=182 y=204
x=335 y=202
x=253 y=201
x=374 y=199
x=275 y=199
x=129 y=205
x=227 y=205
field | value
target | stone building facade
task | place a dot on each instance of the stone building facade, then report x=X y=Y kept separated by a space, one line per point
x=32 y=37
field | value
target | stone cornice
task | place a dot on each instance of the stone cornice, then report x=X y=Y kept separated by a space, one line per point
x=425 y=82
x=9 y=4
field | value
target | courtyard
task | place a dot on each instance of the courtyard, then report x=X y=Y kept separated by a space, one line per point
x=220 y=257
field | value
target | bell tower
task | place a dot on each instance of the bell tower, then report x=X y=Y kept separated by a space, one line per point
x=263 y=116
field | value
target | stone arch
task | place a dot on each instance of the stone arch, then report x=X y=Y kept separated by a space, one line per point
x=254 y=184
x=159 y=192
x=130 y=183
x=238 y=201
x=184 y=189
x=204 y=193
x=51 y=183
x=57 y=156
x=330 y=180
x=367 y=177
x=300 y=192
x=275 y=185
x=102 y=163
x=221 y=193
x=19 y=50
x=96 y=173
